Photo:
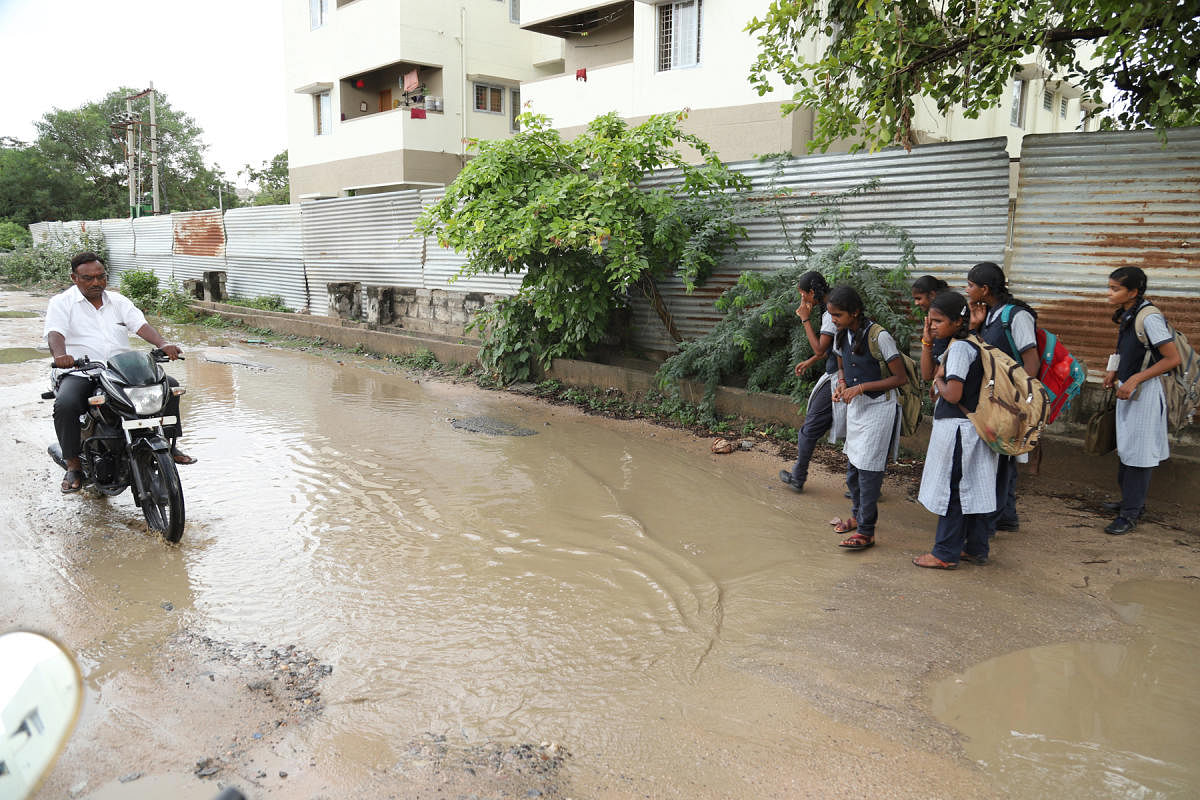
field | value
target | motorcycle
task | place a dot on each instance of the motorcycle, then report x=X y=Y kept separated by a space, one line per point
x=122 y=441
x=41 y=695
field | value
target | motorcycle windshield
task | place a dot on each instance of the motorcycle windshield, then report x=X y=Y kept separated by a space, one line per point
x=135 y=369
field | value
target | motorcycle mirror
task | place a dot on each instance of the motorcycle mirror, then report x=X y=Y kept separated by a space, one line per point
x=41 y=692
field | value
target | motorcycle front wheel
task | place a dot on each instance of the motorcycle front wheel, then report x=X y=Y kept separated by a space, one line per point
x=162 y=502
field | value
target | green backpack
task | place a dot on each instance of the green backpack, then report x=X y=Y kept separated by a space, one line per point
x=910 y=391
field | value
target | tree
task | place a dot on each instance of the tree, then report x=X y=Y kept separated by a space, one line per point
x=31 y=189
x=875 y=58
x=760 y=339
x=576 y=216
x=76 y=168
x=274 y=186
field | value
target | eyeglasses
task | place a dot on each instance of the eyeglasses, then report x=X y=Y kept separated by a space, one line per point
x=103 y=276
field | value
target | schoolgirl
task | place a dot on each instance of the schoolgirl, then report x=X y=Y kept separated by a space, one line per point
x=987 y=291
x=818 y=418
x=1141 y=402
x=872 y=410
x=959 y=480
x=924 y=289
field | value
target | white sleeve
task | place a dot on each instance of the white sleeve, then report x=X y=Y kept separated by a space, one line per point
x=130 y=314
x=1023 y=332
x=58 y=317
x=827 y=325
x=1157 y=330
x=887 y=346
x=959 y=357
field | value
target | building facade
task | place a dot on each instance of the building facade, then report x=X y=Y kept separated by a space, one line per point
x=383 y=94
x=640 y=57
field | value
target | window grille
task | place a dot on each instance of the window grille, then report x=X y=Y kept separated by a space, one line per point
x=1048 y=100
x=489 y=99
x=678 y=35
x=514 y=11
x=514 y=102
x=1062 y=108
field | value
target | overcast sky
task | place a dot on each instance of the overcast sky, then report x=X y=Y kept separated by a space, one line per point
x=221 y=61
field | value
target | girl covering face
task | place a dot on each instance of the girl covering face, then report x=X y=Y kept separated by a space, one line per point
x=820 y=414
x=958 y=482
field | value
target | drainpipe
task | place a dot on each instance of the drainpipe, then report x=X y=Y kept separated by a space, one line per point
x=462 y=61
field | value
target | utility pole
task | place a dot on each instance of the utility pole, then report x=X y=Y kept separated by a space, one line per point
x=129 y=155
x=154 y=148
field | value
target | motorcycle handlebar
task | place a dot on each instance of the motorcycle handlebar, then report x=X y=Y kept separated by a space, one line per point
x=158 y=355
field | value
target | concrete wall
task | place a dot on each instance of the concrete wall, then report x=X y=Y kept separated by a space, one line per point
x=436 y=310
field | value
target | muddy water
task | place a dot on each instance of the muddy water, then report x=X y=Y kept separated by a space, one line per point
x=1092 y=719
x=15 y=355
x=575 y=585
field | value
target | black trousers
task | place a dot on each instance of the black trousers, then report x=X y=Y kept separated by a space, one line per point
x=70 y=402
x=817 y=422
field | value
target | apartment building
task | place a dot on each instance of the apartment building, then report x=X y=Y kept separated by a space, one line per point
x=382 y=94
x=640 y=57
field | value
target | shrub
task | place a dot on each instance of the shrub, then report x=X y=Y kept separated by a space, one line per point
x=140 y=286
x=13 y=235
x=265 y=302
x=48 y=264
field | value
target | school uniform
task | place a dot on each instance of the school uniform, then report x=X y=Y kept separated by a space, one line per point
x=818 y=418
x=1024 y=336
x=1142 y=419
x=958 y=482
x=872 y=424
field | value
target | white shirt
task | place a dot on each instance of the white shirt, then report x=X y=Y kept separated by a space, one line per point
x=98 y=333
x=1020 y=324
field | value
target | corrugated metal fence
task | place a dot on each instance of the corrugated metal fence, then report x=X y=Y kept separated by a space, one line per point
x=952 y=198
x=1086 y=203
x=1089 y=203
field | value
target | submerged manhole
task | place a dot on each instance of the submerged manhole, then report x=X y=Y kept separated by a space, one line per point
x=491 y=426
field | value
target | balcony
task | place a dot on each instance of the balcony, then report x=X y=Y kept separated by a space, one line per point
x=382 y=90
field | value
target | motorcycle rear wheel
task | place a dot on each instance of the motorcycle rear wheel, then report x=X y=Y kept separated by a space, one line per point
x=162 y=502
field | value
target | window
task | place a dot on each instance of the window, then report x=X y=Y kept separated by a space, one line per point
x=678 y=35
x=322 y=114
x=1048 y=100
x=489 y=99
x=514 y=100
x=1062 y=108
x=318 y=13
x=514 y=11
x=1017 y=116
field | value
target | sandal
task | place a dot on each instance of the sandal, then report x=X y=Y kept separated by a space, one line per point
x=181 y=457
x=845 y=525
x=978 y=561
x=72 y=481
x=858 y=542
x=930 y=561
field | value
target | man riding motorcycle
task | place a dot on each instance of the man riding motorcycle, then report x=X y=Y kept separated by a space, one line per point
x=87 y=320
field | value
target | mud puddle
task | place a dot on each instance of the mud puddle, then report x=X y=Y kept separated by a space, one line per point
x=1091 y=719
x=15 y=355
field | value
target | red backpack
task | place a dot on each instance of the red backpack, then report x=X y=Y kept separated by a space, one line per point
x=1060 y=372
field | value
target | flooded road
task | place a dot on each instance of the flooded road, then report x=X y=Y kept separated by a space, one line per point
x=661 y=621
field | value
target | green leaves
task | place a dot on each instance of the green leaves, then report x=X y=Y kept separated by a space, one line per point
x=760 y=339
x=875 y=58
x=575 y=216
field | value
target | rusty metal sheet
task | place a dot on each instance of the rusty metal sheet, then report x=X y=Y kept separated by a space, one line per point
x=1089 y=203
x=199 y=233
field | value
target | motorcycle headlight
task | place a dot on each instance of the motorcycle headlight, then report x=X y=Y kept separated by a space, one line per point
x=147 y=400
